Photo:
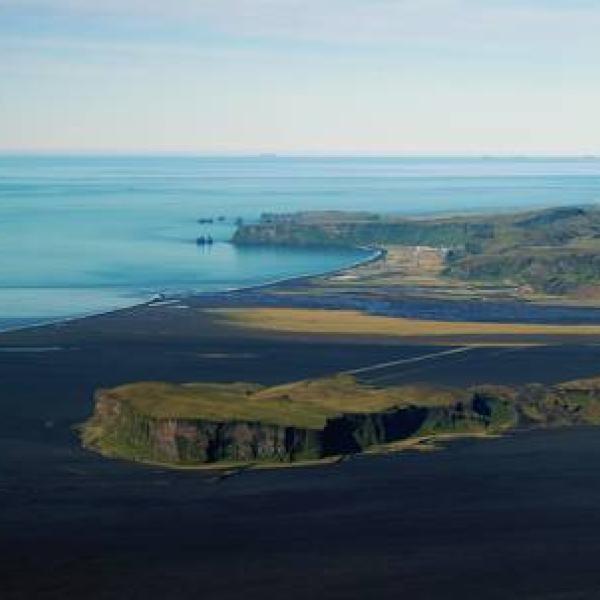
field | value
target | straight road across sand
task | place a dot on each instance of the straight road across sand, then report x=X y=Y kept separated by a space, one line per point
x=445 y=363
x=405 y=361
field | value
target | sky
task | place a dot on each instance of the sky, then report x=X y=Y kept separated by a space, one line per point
x=390 y=77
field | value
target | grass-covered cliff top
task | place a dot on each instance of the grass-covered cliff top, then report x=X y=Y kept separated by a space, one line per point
x=554 y=250
x=309 y=403
x=305 y=404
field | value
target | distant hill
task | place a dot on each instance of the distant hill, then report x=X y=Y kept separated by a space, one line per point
x=555 y=250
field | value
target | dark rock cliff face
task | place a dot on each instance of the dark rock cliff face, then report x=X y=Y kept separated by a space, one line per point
x=348 y=434
x=196 y=441
x=205 y=441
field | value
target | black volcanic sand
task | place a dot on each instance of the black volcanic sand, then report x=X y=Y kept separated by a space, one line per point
x=515 y=517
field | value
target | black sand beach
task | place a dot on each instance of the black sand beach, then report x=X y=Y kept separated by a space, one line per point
x=513 y=517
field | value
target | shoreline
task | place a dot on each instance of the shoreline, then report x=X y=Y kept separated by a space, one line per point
x=376 y=254
x=160 y=297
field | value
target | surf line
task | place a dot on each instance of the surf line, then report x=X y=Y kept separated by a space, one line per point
x=406 y=361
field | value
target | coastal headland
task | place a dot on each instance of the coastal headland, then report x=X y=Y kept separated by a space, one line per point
x=550 y=255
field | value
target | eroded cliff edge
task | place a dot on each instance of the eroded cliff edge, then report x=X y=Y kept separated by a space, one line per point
x=199 y=424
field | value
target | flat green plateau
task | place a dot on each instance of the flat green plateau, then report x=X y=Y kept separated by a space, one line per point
x=306 y=404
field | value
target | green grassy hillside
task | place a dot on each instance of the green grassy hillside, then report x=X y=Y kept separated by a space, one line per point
x=554 y=251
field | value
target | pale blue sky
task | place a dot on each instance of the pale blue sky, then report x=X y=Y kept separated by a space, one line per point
x=301 y=76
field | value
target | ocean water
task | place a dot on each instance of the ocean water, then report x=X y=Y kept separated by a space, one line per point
x=80 y=235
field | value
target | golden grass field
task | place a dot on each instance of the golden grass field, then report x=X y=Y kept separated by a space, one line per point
x=322 y=321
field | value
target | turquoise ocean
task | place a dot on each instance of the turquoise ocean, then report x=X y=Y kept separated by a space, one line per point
x=87 y=234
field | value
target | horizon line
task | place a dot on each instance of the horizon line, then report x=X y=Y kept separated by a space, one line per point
x=304 y=154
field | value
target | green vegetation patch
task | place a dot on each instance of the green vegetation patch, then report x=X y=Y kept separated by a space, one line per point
x=305 y=404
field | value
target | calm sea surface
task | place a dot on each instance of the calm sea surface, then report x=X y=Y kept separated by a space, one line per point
x=88 y=234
